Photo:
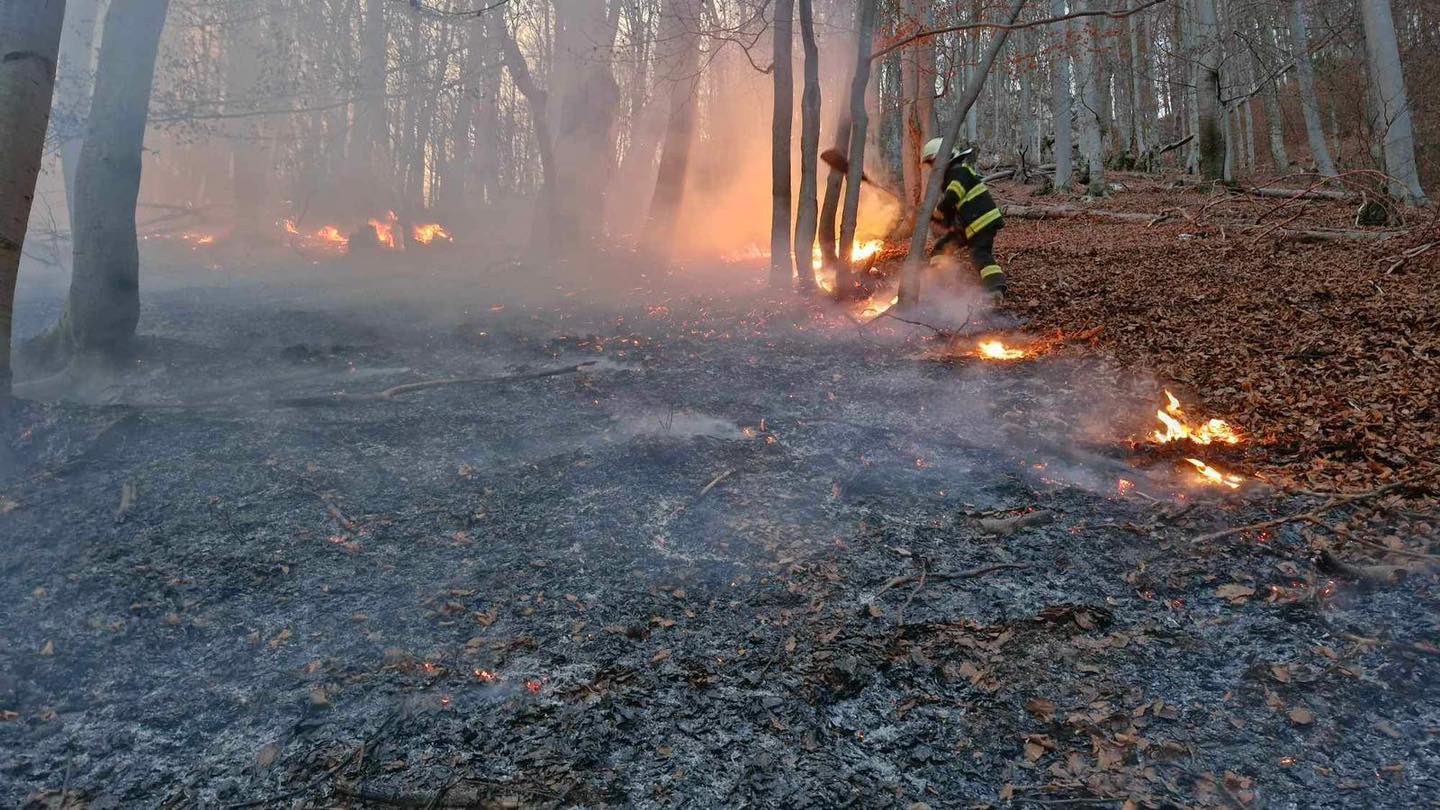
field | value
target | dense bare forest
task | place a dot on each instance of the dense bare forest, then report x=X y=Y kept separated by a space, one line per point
x=571 y=403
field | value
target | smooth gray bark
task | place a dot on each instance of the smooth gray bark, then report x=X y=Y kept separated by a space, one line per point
x=1309 y=98
x=103 y=307
x=1270 y=95
x=782 y=116
x=859 y=120
x=1209 y=111
x=74 y=81
x=1092 y=112
x=1382 y=50
x=1060 y=99
x=806 y=214
x=29 y=48
x=680 y=29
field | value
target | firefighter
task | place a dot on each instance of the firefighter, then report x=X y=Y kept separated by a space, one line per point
x=970 y=215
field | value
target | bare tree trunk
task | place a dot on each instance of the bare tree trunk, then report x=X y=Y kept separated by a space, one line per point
x=859 y=120
x=1210 y=133
x=917 y=93
x=587 y=99
x=537 y=101
x=1029 y=140
x=75 y=79
x=1092 y=123
x=1270 y=96
x=1382 y=50
x=372 y=131
x=248 y=156
x=1140 y=115
x=805 y=215
x=1309 y=99
x=915 y=258
x=103 y=307
x=29 y=48
x=681 y=26
x=1060 y=100
x=781 y=120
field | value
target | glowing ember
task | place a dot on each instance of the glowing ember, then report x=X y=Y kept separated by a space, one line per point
x=385 y=230
x=486 y=676
x=1178 y=427
x=995 y=350
x=427 y=233
x=1125 y=485
x=1214 y=476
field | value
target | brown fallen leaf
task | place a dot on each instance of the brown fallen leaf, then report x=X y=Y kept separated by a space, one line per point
x=1301 y=716
x=1042 y=709
x=267 y=755
x=660 y=656
x=48 y=650
x=1235 y=592
x=1280 y=672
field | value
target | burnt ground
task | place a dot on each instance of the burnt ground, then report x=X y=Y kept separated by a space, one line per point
x=662 y=581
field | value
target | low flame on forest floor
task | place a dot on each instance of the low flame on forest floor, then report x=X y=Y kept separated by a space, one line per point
x=1178 y=427
x=997 y=350
x=1213 y=476
x=386 y=229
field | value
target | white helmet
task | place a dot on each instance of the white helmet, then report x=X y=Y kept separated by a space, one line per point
x=932 y=148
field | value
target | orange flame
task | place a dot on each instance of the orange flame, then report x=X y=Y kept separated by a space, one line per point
x=1178 y=428
x=429 y=232
x=385 y=231
x=995 y=350
x=1214 y=476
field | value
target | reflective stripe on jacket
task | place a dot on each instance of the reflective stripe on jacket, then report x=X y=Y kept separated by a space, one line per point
x=966 y=202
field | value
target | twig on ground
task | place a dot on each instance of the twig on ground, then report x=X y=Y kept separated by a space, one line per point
x=328 y=774
x=1313 y=514
x=407 y=388
x=713 y=482
x=895 y=582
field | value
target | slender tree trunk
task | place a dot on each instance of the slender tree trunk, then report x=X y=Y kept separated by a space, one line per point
x=917 y=92
x=859 y=120
x=1270 y=96
x=1092 y=114
x=682 y=25
x=1140 y=114
x=29 y=48
x=1210 y=133
x=103 y=307
x=248 y=156
x=805 y=215
x=782 y=117
x=1382 y=50
x=74 y=81
x=371 y=128
x=586 y=99
x=1309 y=99
x=1029 y=142
x=1060 y=99
x=915 y=258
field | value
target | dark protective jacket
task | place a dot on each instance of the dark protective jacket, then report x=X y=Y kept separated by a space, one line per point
x=966 y=204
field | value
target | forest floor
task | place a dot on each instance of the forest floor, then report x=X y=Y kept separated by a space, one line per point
x=757 y=554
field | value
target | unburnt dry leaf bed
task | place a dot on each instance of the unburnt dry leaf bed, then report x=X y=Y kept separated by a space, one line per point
x=662 y=580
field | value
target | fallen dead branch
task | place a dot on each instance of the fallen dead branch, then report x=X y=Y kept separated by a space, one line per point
x=409 y=388
x=1313 y=514
x=941 y=576
x=1071 y=212
x=1004 y=527
x=1300 y=194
